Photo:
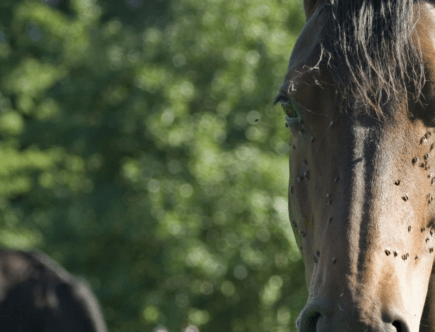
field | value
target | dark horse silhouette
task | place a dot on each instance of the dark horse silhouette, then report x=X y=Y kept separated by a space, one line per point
x=359 y=96
x=37 y=295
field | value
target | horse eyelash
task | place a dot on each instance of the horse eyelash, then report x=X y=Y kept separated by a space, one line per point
x=281 y=98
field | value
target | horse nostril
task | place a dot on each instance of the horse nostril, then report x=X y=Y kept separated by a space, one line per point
x=394 y=322
x=400 y=326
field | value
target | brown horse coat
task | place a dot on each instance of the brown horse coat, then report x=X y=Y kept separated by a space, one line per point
x=361 y=189
x=37 y=295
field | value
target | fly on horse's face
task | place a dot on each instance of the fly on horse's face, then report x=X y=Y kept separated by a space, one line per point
x=361 y=190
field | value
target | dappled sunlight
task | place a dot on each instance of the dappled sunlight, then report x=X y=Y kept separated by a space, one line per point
x=140 y=148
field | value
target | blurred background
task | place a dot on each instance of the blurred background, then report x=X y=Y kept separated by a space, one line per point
x=140 y=149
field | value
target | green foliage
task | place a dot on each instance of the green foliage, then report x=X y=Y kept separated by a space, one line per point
x=140 y=149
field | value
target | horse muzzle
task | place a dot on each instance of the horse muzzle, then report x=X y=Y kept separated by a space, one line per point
x=320 y=316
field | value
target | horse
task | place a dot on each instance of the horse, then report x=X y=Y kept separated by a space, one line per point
x=37 y=295
x=359 y=100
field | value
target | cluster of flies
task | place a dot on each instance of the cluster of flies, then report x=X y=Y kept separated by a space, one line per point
x=431 y=176
x=306 y=176
x=415 y=161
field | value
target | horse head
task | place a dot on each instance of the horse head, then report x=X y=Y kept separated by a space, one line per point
x=359 y=98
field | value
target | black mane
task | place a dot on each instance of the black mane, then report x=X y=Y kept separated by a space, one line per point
x=373 y=50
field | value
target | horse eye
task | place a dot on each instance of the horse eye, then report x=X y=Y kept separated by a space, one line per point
x=288 y=109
